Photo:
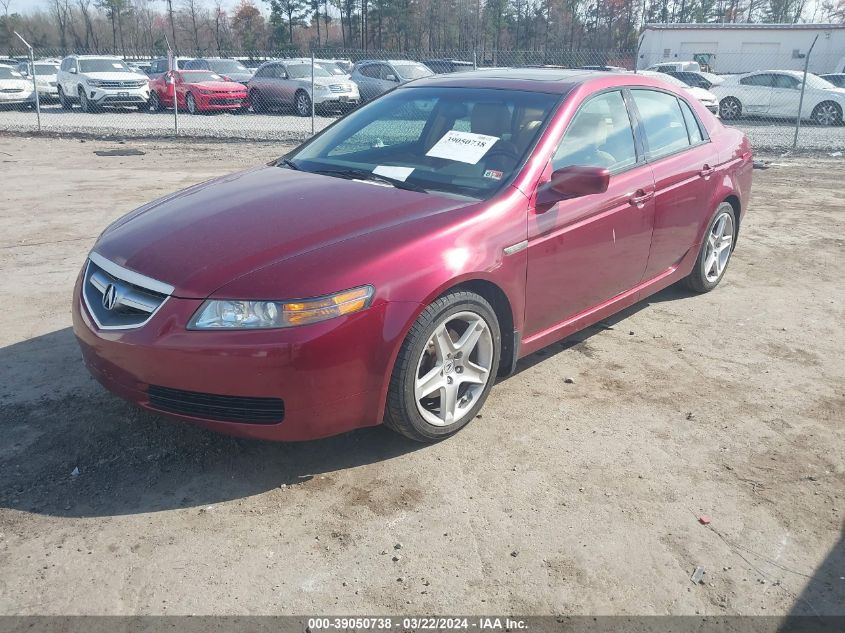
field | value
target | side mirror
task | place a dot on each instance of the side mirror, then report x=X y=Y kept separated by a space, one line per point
x=72 y=71
x=573 y=182
x=391 y=78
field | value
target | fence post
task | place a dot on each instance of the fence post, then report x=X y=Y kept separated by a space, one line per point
x=312 y=92
x=801 y=99
x=34 y=83
x=475 y=60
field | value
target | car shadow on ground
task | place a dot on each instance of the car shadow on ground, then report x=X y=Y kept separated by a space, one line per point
x=823 y=595
x=72 y=449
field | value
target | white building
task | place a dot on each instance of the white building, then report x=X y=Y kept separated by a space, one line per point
x=739 y=48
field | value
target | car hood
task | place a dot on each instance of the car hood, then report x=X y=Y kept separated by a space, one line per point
x=115 y=76
x=701 y=94
x=16 y=83
x=204 y=237
x=220 y=86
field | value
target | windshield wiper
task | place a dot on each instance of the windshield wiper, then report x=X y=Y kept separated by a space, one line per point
x=287 y=163
x=362 y=174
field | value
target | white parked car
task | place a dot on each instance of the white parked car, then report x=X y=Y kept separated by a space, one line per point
x=287 y=82
x=95 y=81
x=15 y=89
x=666 y=67
x=707 y=98
x=777 y=93
x=46 y=77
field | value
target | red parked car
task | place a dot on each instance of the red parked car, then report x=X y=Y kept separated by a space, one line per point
x=196 y=91
x=392 y=266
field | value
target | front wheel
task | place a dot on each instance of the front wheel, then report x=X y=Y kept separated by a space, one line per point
x=716 y=250
x=66 y=103
x=827 y=113
x=730 y=108
x=191 y=103
x=303 y=103
x=445 y=368
x=85 y=103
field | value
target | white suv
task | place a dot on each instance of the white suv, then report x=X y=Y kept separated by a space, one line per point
x=95 y=81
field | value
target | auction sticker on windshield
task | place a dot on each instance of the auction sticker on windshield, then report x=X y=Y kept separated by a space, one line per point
x=465 y=147
x=397 y=173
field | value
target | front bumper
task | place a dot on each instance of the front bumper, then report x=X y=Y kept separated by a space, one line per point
x=118 y=97
x=13 y=98
x=331 y=376
x=338 y=99
x=227 y=101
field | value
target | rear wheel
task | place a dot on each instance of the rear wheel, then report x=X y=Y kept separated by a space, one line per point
x=716 y=250
x=730 y=108
x=827 y=113
x=445 y=368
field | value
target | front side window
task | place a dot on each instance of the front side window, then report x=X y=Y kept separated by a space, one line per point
x=466 y=142
x=662 y=121
x=600 y=135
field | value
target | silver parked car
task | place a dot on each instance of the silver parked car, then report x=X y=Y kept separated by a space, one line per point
x=375 y=77
x=287 y=82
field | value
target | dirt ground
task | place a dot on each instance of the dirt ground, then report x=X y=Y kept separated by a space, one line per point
x=563 y=498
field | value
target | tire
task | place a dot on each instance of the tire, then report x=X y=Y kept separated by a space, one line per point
x=85 y=104
x=144 y=107
x=302 y=103
x=191 y=103
x=827 y=113
x=155 y=103
x=730 y=109
x=716 y=249
x=257 y=101
x=66 y=103
x=455 y=376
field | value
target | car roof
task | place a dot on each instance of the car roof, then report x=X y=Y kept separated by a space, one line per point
x=97 y=57
x=549 y=80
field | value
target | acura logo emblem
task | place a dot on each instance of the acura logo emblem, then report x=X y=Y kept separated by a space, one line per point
x=110 y=297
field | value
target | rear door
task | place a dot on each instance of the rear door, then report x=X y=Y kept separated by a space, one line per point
x=755 y=93
x=684 y=166
x=786 y=95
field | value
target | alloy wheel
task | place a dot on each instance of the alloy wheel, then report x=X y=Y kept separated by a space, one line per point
x=454 y=368
x=719 y=243
x=303 y=104
x=827 y=114
x=192 y=104
x=730 y=109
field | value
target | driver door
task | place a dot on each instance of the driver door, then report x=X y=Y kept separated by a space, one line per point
x=584 y=251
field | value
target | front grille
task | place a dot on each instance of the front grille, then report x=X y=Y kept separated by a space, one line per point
x=217 y=101
x=118 y=298
x=12 y=90
x=118 y=99
x=123 y=84
x=338 y=88
x=210 y=406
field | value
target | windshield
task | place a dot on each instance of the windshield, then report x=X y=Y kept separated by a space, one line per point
x=300 y=71
x=103 y=66
x=412 y=71
x=332 y=68
x=196 y=76
x=461 y=141
x=227 y=66
x=8 y=73
x=46 y=69
x=814 y=81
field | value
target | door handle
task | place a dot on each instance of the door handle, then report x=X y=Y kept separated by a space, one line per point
x=706 y=171
x=641 y=197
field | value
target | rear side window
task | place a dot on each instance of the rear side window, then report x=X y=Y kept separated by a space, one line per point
x=693 y=128
x=663 y=122
x=600 y=135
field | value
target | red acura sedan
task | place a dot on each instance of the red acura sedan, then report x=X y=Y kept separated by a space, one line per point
x=196 y=91
x=391 y=267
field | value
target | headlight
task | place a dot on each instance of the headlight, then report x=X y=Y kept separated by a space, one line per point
x=225 y=314
x=94 y=82
x=320 y=88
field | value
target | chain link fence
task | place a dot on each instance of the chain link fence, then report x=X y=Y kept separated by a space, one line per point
x=288 y=101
